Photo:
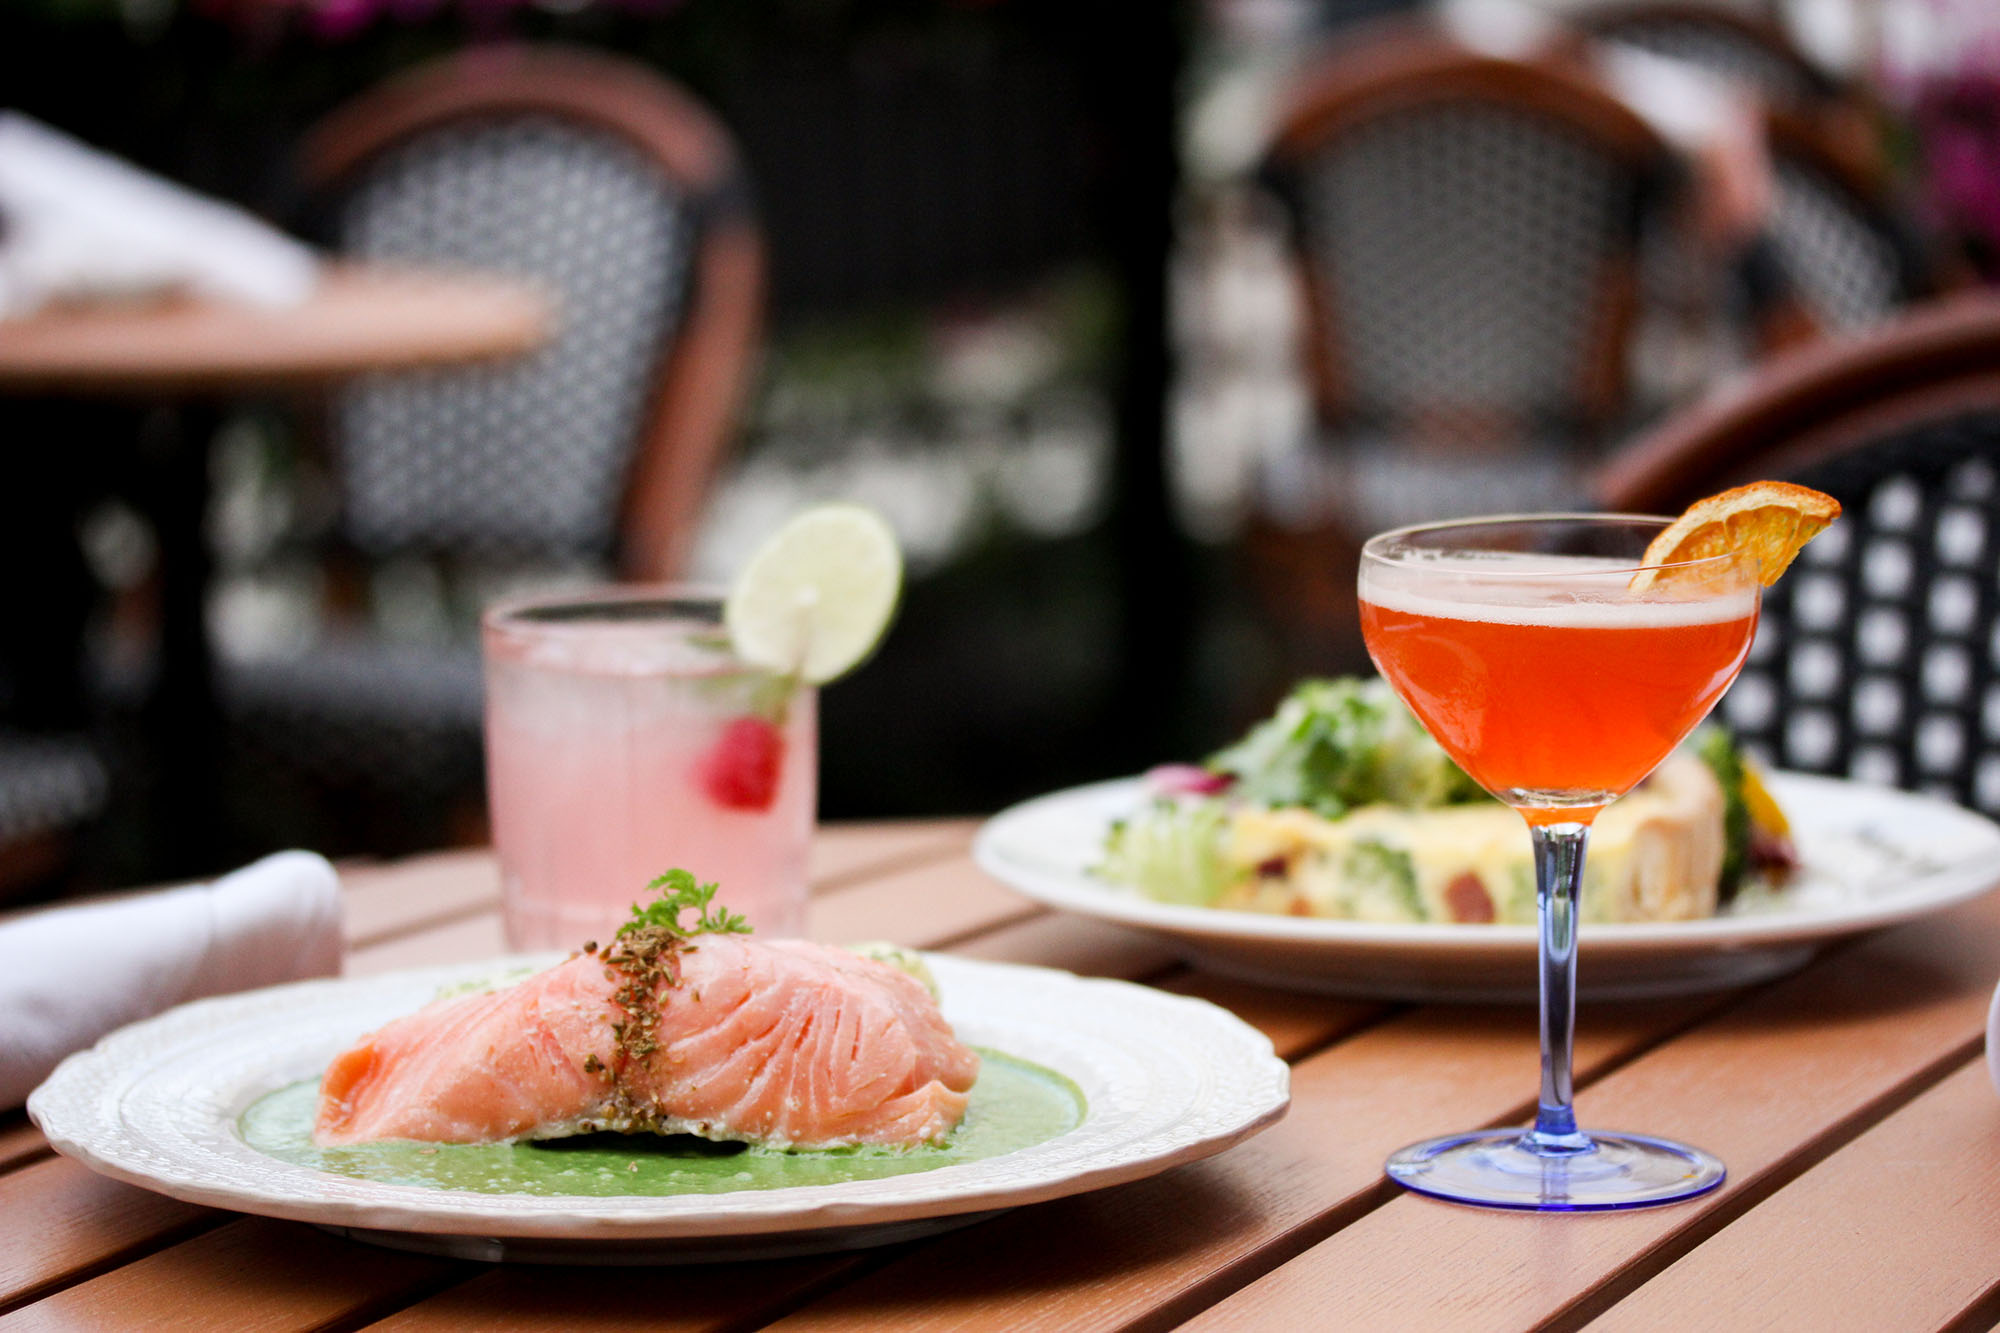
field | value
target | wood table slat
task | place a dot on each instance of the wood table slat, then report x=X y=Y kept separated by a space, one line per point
x=250 y=1276
x=843 y=853
x=693 y=1299
x=927 y=907
x=1074 y=944
x=20 y=1141
x=384 y=902
x=1793 y=1068
x=1296 y=1022
x=1917 y=1195
x=924 y=906
x=465 y=941
x=59 y=1219
x=380 y=902
x=1153 y=1252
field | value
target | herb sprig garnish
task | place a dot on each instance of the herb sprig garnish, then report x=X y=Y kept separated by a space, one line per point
x=680 y=892
x=644 y=959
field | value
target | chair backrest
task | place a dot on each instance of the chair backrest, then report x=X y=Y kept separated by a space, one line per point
x=1844 y=255
x=613 y=190
x=1878 y=655
x=1467 y=228
x=1739 y=47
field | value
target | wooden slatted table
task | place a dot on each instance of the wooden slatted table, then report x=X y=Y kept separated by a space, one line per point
x=1850 y=1101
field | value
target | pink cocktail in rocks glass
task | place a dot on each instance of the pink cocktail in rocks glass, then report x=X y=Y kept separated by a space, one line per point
x=624 y=738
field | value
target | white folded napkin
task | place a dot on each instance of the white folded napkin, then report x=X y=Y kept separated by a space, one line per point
x=72 y=974
x=76 y=223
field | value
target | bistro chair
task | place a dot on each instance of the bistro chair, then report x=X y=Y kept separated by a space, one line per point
x=1465 y=231
x=1878 y=655
x=51 y=787
x=1744 y=48
x=1844 y=254
x=1466 y=228
x=621 y=197
x=1837 y=256
x=60 y=752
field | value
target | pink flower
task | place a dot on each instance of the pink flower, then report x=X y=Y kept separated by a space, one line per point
x=338 y=20
x=1960 y=127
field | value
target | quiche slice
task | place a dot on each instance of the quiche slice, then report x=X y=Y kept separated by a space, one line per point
x=1655 y=855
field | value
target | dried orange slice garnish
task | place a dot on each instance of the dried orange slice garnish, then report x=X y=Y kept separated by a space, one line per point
x=1772 y=520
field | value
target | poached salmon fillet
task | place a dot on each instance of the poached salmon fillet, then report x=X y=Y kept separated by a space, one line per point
x=784 y=1043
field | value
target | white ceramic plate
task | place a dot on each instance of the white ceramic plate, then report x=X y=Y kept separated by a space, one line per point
x=1166 y=1079
x=1873 y=856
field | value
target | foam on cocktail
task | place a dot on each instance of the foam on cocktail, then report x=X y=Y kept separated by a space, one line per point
x=1511 y=588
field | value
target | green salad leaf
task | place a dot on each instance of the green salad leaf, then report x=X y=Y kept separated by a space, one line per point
x=1333 y=745
x=1170 y=849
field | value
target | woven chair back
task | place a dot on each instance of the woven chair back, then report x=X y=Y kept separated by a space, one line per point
x=1878 y=654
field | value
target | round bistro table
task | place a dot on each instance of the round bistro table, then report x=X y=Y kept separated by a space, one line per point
x=359 y=319
x=192 y=357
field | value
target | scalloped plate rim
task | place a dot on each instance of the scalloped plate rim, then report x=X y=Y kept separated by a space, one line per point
x=1257 y=1081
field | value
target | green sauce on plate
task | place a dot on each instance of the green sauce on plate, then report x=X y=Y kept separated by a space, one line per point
x=1014 y=1105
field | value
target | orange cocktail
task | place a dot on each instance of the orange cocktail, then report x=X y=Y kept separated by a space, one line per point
x=1558 y=668
x=1554 y=690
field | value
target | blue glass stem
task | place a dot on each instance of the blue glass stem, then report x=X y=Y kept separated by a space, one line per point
x=1559 y=852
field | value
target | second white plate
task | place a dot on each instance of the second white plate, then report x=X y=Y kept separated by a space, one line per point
x=1873 y=856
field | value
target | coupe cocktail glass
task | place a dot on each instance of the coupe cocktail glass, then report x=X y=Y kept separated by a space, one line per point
x=623 y=739
x=1526 y=649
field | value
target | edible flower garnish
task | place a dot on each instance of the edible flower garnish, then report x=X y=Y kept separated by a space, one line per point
x=680 y=892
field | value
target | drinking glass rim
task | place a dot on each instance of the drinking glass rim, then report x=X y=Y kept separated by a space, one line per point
x=1401 y=560
x=513 y=613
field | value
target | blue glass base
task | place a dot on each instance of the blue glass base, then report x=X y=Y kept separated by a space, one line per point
x=1506 y=1168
